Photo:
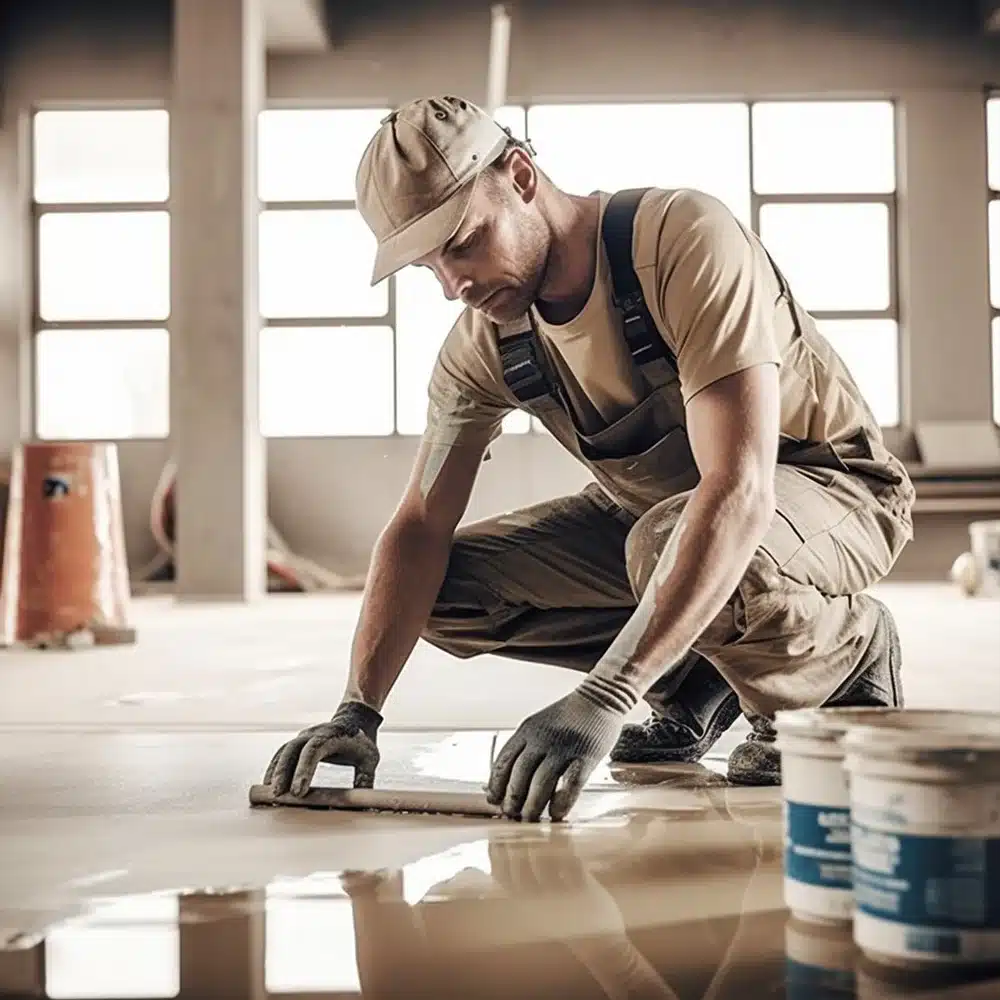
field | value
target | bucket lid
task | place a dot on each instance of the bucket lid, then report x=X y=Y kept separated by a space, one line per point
x=829 y=723
x=833 y=723
x=978 y=739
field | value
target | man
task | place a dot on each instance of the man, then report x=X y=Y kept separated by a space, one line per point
x=743 y=496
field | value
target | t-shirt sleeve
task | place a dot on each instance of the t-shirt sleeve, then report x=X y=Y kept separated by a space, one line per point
x=717 y=293
x=465 y=406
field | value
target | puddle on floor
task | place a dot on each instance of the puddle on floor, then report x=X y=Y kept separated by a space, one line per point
x=645 y=903
x=461 y=762
x=671 y=888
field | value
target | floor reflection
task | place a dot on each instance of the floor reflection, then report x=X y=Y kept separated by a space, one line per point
x=461 y=761
x=673 y=904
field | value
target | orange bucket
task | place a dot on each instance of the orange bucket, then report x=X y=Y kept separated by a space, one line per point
x=65 y=571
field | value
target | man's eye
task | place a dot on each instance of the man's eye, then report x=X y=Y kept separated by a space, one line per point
x=466 y=244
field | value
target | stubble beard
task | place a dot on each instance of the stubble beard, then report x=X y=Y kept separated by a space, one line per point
x=517 y=299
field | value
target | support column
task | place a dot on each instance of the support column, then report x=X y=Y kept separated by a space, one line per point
x=222 y=945
x=943 y=256
x=218 y=66
x=15 y=282
x=16 y=396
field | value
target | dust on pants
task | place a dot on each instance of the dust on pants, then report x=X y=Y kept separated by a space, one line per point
x=554 y=583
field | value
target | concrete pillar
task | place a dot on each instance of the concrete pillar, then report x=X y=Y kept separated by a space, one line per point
x=218 y=90
x=22 y=967
x=943 y=256
x=222 y=945
x=15 y=282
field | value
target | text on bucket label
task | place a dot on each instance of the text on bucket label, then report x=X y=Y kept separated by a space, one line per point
x=931 y=882
x=818 y=845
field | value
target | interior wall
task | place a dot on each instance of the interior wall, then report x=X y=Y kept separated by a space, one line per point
x=330 y=497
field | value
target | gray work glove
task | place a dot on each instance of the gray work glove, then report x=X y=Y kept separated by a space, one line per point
x=566 y=740
x=349 y=738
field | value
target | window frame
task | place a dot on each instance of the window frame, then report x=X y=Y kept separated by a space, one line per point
x=36 y=211
x=320 y=322
x=331 y=322
x=757 y=201
x=890 y=201
x=992 y=196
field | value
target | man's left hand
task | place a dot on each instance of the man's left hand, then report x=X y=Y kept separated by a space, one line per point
x=566 y=740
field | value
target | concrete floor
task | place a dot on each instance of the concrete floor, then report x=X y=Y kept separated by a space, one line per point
x=124 y=772
x=281 y=665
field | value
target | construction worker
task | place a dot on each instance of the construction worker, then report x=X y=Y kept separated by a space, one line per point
x=742 y=497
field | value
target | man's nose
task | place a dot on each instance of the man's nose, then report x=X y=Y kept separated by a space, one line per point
x=453 y=284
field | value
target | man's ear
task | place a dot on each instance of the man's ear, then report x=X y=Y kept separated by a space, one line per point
x=523 y=174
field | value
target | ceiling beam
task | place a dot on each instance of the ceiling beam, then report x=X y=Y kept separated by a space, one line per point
x=296 y=25
x=499 y=60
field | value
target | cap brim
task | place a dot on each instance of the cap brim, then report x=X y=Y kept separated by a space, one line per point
x=423 y=235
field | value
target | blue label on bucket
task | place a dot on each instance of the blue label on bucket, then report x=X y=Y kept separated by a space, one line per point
x=938 y=882
x=806 y=982
x=818 y=845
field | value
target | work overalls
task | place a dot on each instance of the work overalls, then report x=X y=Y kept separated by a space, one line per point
x=554 y=583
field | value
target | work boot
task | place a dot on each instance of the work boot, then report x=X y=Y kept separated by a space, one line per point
x=683 y=727
x=756 y=761
x=876 y=683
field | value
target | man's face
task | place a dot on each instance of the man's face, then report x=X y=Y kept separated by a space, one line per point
x=496 y=260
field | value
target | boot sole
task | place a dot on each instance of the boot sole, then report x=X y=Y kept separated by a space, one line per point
x=691 y=753
x=757 y=777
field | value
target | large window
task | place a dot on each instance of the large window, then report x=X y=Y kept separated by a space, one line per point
x=993 y=181
x=127 y=946
x=824 y=182
x=102 y=276
x=585 y=147
x=327 y=351
x=340 y=358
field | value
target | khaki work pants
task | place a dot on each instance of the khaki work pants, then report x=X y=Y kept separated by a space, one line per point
x=554 y=583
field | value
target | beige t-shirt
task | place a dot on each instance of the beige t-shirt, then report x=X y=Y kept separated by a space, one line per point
x=713 y=294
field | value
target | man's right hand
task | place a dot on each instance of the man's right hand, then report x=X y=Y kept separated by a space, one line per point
x=349 y=738
x=408 y=565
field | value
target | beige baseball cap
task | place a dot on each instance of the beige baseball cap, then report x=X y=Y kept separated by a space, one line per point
x=417 y=176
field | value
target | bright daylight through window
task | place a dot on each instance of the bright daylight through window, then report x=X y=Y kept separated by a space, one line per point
x=827 y=216
x=817 y=179
x=824 y=179
x=101 y=357
x=993 y=182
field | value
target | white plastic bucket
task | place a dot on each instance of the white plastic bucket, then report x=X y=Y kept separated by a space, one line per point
x=816 y=809
x=925 y=833
x=818 y=880
x=984 y=539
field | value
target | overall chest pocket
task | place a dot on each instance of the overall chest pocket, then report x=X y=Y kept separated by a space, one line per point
x=636 y=433
x=644 y=456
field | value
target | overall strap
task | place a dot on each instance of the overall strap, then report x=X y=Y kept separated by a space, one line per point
x=524 y=370
x=641 y=335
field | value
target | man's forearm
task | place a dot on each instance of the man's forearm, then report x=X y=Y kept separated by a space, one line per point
x=407 y=569
x=621 y=970
x=702 y=564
